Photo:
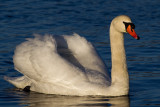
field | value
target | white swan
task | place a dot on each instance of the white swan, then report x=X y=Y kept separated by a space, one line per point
x=69 y=65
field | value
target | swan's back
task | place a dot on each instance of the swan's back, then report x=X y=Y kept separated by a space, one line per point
x=60 y=65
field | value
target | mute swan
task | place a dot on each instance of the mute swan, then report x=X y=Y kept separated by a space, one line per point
x=69 y=65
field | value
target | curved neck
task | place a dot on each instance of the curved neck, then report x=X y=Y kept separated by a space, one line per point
x=119 y=72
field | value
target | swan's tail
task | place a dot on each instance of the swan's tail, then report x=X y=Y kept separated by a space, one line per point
x=19 y=82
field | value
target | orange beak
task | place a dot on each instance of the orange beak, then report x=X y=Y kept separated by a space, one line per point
x=132 y=32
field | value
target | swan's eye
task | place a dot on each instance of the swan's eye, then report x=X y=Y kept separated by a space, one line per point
x=127 y=24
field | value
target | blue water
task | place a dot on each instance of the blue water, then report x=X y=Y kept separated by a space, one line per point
x=19 y=19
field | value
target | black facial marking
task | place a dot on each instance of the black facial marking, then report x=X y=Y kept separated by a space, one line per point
x=127 y=24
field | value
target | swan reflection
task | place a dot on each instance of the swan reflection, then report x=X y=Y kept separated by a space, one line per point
x=42 y=100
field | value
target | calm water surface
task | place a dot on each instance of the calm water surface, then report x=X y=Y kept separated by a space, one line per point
x=19 y=19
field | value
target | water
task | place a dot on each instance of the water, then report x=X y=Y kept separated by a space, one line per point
x=91 y=19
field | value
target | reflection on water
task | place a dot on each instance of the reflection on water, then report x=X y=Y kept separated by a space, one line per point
x=42 y=100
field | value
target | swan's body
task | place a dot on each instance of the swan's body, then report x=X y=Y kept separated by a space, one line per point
x=69 y=65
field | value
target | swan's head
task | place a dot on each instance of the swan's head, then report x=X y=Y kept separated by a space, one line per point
x=124 y=24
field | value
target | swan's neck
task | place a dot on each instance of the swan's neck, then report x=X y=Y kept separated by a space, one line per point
x=119 y=73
